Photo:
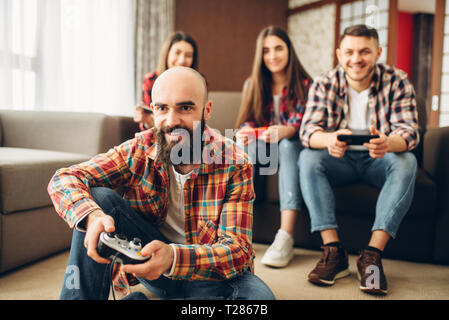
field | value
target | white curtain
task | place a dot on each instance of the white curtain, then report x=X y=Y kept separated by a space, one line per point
x=154 y=22
x=68 y=55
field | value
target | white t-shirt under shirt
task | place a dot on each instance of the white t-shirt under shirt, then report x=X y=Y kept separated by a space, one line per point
x=173 y=226
x=358 y=114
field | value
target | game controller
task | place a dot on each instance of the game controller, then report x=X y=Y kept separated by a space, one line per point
x=356 y=139
x=112 y=245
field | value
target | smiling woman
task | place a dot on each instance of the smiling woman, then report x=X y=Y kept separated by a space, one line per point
x=270 y=116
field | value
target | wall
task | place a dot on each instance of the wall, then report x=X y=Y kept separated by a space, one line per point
x=226 y=33
x=312 y=33
x=404 y=42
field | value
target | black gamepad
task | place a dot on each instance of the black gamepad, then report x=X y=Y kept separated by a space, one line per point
x=356 y=139
x=112 y=245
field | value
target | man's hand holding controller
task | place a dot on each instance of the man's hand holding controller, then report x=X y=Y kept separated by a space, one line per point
x=336 y=147
x=161 y=254
x=96 y=223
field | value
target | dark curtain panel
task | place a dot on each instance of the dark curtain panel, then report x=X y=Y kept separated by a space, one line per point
x=422 y=54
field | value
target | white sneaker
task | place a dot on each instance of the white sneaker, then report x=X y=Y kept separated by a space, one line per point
x=280 y=253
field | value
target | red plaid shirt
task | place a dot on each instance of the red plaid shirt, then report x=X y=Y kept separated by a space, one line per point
x=287 y=117
x=147 y=86
x=218 y=200
x=391 y=105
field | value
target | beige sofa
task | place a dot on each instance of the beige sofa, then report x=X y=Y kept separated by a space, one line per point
x=33 y=145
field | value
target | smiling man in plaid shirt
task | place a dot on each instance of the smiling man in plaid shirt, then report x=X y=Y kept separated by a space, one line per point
x=365 y=97
x=194 y=217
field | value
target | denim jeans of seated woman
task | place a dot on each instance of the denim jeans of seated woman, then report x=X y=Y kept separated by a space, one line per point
x=394 y=174
x=270 y=157
x=90 y=285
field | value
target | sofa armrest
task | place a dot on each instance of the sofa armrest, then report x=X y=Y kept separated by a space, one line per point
x=436 y=151
x=436 y=163
x=127 y=128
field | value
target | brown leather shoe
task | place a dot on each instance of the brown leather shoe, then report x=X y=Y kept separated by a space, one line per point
x=371 y=273
x=333 y=265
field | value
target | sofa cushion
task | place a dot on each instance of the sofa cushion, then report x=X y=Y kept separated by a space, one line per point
x=361 y=198
x=25 y=174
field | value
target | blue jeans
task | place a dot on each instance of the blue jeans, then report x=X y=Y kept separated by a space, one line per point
x=268 y=157
x=89 y=284
x=394 y=174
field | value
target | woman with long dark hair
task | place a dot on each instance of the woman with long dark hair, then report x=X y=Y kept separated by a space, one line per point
x=179 y=49
x=272 y=108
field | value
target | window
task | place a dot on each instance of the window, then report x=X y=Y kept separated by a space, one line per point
x=67 y=55
x=18 y=52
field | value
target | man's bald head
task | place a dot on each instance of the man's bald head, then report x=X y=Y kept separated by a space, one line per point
x=181 y=76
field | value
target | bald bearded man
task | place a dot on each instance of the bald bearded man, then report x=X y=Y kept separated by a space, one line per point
x=194 y=217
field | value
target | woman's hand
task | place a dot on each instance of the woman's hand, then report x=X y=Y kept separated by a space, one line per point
x=245 y=135
x=276 y=133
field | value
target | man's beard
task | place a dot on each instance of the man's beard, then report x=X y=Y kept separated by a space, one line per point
x=180 y=152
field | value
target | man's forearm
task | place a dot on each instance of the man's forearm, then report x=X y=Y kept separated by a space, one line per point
x=319 y=140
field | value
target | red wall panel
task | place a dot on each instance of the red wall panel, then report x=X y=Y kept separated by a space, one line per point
x=405 y=42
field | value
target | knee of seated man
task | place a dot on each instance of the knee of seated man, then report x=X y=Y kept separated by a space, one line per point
x=288 y=148
x=285 y=145
x=104 y=196
x=310 y=158
x=404 y=162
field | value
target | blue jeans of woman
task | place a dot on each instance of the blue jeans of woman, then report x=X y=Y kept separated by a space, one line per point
x=394 y=174
x=268 y=158
x=90 y=282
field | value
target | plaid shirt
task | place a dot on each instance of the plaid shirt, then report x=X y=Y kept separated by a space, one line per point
x=147 y=86
x=391 y=105
x=218 y=200
x=287 y=117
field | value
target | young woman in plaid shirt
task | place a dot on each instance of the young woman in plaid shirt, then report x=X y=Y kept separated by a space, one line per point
x=179 y=49
x=274 y=97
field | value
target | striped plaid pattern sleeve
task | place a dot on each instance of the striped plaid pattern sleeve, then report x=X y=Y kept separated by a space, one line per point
x=294 y=118
x=404 y=115
x=69 y=187
x=147 y=86
x=315 y=115
x=231 y=253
